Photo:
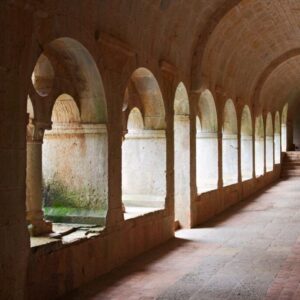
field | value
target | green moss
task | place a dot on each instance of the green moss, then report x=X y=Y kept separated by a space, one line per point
x=75 y=215
x=58 y=195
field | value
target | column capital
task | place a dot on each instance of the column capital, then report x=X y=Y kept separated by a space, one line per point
x=36 y=130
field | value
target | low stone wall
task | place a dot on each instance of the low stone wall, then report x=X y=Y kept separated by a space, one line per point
x=210 y=204
x=56 y=269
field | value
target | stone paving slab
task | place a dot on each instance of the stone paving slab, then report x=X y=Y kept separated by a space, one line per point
x=252 y=251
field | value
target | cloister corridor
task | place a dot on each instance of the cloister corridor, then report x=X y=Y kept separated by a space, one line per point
x=251 y=251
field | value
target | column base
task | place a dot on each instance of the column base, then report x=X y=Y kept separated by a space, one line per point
x=40 y=227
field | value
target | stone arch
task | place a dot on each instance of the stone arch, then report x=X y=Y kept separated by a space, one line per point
x=181 y=101
x=269 y=143
x=74 y=166
x=207 y=143
x=143 y=88
x=135 y=120
x=259 y=146
x=43 y=76
x=204 y=36
x=65 y=110
x=230 y=144
x=277 y=142
x=30 y=109
x=85 y=79
x=283 y=58
x=207 y=112
x=143 y=149
x=246 y=144
x=229 y=118
x=182 y=156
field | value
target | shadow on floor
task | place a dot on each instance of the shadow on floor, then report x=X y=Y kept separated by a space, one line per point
x=132 y=267
x=141 y=264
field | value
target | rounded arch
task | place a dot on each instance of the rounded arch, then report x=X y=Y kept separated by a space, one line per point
x=284 y=114
x=181 y=102
x=207 y=112
x=277 y=123
x=229 y=118
x=246 y=144
x=269 y=143
x=246 y=122
x=84 y=76
x=259 y=146
x=230 y=144
x=269 y=125
x=143 y=91
x=182 y=156
x=135 y=120
x=259 y=127
x=277 y=147
x=65 y=110
x=30 y=108
x=43 y=76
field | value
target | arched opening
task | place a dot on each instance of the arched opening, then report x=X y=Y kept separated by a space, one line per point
x=43 y=76
x=230 y=144
x=284 y=128
x=259 y=146
x=182 y=156
x=144 y=146
x=269 y=144
x=74 y=167
x=277 y=148
x=246 y=144
x=68 y=175
x=207 y=143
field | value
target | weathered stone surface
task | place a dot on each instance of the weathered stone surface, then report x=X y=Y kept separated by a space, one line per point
x=111 y=57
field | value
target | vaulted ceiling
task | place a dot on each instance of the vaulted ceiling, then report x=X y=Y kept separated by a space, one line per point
x=247 y=48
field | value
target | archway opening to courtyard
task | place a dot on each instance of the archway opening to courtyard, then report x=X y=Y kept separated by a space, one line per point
x=259 y=146
x=277 y=147
x=144 y=145
x=246 y=144
x=230 y=144
x=269 y=144
x=66 y=178
x=207 y=143
x=182 y=156
x=74 y=167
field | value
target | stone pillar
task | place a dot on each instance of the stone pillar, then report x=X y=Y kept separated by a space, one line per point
x=239 y=152
x=265 y=146
x=220 y=158
x=34 y=201
x=253 y=147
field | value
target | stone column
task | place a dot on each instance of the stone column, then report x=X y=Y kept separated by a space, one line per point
x=239 y=152
x=253 y=148
x=265 y=146
x=220 y=158
x=34 y=201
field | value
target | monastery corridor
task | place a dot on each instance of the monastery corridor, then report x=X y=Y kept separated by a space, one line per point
x=251 y=251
